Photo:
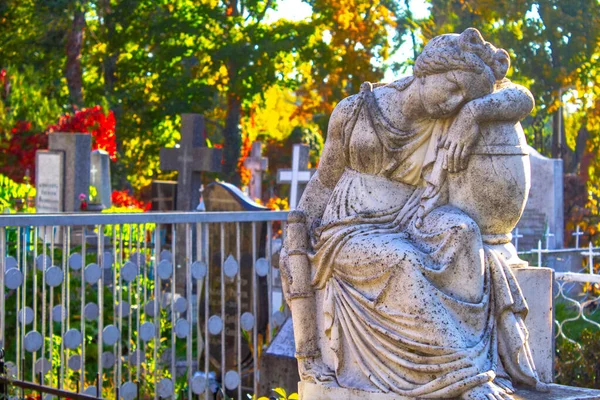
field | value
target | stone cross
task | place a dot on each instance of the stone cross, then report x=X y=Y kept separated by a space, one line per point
x=298 y=175
x=578 y=233
x=517 y=236
x=257 y=164
x=548 y=235
x=190 y=159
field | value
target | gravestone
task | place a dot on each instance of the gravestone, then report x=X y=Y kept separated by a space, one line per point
x=544 y=209
x=100 y=179
x=50 y=181
x=220 y=196
x=257 y=164
x=76 y=148
x=164 y=195
x=190 y=159
x=298 y=176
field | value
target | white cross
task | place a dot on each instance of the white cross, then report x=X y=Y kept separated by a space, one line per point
x=548 y=235
x=94 y=171
x=590 y=253
x=517 y=236
x=539 y=252
x=577 y=234
x=299 y=174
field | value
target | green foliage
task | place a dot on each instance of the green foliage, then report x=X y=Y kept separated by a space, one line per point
x=577 y=364
x=15 y=196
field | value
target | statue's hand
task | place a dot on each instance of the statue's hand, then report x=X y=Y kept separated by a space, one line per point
x=459 y=140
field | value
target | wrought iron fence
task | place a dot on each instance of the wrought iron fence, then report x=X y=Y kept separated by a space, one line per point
x=111 y=305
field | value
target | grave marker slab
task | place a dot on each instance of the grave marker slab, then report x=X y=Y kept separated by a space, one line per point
x=100 y=178
x=50 y=181
x=77 y=149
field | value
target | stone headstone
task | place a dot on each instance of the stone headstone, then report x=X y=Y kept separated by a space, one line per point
x=544 y=209
x=298 y=176
x=76 y=148
x=164 y=195
x=279 y=367
x=50 y=181
x=100 y=178
x=220 y=196
x=257 y=164
x=190 y=159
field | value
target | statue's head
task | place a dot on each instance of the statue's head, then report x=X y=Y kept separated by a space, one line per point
x=455 y=69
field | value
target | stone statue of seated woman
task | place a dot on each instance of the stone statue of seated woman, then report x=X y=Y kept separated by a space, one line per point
x=397 y=263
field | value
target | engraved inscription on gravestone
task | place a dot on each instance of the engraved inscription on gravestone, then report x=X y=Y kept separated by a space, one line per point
x=50 y=181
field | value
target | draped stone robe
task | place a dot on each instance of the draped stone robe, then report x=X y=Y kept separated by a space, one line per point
x=422 y=312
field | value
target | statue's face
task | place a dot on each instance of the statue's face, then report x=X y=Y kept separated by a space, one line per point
x=444 y=94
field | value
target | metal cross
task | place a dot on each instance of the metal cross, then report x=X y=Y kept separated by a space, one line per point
x=257 y=164
x=190 y=158
x=577 y=234
x=539 y=251
x=517 y=236
x=548 y=235
x=299 y=174
x=591 y=254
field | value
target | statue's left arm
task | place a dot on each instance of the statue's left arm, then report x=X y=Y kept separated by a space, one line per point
x=509 y=102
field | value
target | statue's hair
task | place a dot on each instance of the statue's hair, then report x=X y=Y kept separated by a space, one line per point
x=467 y=52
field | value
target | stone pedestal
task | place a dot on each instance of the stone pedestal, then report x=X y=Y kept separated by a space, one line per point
x=310 y=391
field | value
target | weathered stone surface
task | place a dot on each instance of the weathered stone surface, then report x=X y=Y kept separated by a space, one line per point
x=310 y=391
x=279 y=367
x=398 y=263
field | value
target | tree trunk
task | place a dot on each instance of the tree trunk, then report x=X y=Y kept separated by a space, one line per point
x=233 y=140
x=73 y=68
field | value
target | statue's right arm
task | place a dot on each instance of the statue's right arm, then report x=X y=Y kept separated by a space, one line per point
x=331 y=165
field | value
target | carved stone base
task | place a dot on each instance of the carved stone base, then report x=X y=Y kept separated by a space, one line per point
x=310 y=391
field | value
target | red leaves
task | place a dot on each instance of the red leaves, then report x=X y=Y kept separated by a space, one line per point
x=20 y=151
x=94 y=121
x=124 y=199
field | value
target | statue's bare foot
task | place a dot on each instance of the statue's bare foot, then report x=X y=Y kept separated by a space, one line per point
x=315 y=371
x=487 y=391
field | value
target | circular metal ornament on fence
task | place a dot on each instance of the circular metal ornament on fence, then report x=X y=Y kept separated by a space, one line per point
x=137 y=356
x=54 y=276
x=75 y=261
x=182 y=328
x=181 y=305
x=72 y=339
x=108 y=360
x=129 y=271
x=165 y=269
x=147 y=331
x=247 y=321
x=166 y=255
x=11 y=370
x=39 y=262
x=26 y=316
x=124 y=309
x=42 y=366
x=230 y=267
x=107 y=260
x=149 y=308
x=91 y=391
x=74 y=362
x=57 y=313
x=138 y=259
x=92 y=273
x=198 y=383
x=91 y=311
x=165 y=388
x=215 y=324
x=13 y=278
x=262 y=267
x=33 y=341
x=278 y=318
x=110 y=335
x=128 y=391
x=199 y=270
x=232 y=380
x=9 y=263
